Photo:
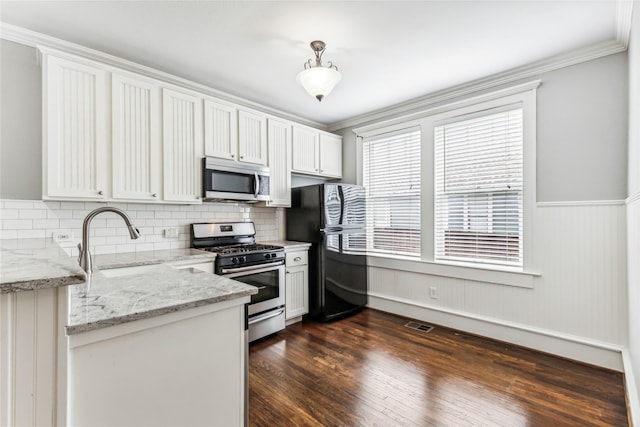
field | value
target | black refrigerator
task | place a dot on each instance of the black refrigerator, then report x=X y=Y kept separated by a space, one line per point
x=332 y=218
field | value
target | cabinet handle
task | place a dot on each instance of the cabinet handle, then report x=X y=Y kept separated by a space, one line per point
x=101 y=192
x=297 y=258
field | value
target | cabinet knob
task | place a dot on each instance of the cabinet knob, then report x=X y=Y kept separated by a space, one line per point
x=154 y=195
x=321 y=170
x=242 y=157
x=100 y=192
x=197 y=197
x=297 y=258
x=316 y=170
x=233 y=156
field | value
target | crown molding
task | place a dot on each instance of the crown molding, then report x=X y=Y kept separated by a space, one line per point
x=506 y=77
x=624 y=14
x=43 y=42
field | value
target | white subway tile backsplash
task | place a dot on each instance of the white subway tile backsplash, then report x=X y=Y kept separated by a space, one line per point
x=17 y=224
x=10 y=214
x=31 y=234
x=18 y=204
x=34 y=218
x=8 y=234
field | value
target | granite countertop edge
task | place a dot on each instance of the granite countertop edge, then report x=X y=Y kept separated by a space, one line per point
x=132 y=317
x=44 y=283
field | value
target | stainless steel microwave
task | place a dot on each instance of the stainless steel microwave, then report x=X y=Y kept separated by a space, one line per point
x=227 y=180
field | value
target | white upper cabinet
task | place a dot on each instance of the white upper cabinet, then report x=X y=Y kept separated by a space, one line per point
x=220 y=130
x=279 y=136
x=75 y=159
x=111 y=134
x=330 y=155
x=316 y=153
x=135 y=138
x=305 y=150
x=252 y=137
x=182 y=146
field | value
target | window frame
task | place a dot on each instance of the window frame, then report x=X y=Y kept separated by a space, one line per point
x=524 y=94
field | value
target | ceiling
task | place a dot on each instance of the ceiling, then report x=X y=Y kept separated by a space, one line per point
x=388 y=52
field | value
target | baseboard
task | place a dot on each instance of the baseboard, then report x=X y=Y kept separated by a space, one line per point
x=576 y=348
x=631 y=389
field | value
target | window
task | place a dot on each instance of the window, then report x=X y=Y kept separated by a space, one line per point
x=479 y=188
x=391 y=176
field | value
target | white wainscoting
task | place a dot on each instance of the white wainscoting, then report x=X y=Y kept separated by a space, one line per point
x=28 y=358
x=577 y=307
x=632 y=359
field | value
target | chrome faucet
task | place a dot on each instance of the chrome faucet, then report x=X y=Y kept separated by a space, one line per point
x=85 y=256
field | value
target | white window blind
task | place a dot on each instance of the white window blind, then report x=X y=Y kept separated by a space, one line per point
x=478 y=188
x=391 y=176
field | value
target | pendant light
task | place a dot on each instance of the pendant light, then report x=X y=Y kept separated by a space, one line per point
x=316 y=79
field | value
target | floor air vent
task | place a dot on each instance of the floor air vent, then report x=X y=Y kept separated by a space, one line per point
x=422 y=327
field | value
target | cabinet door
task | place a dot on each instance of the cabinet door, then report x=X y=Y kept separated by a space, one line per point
x=74 y=143
x=304 y=151
x=182 y=146
x=330 y=156
x=252 y=137
x=297 y=291
x=135 y=138
x=220 y=130
x=279 y=137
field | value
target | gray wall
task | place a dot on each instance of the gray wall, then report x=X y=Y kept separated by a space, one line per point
x=20 y=122
x=581 y=133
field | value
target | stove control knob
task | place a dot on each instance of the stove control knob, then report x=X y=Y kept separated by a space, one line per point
x=267 y=256
x=243 y=259
x=234 y=260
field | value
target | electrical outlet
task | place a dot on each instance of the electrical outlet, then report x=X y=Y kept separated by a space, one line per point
x=171 y=233
x=433 y=292
x=62 y=236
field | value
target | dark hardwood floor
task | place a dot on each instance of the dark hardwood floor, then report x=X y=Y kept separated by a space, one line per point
x=369 y=370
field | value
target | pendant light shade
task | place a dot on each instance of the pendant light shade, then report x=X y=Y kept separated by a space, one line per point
x=317 y=79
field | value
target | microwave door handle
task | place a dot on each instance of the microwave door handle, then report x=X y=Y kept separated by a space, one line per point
x=256 y=185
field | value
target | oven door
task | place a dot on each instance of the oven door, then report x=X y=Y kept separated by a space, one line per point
x=268 y=278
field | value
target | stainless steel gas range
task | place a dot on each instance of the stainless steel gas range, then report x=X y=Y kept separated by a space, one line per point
x=239 y=257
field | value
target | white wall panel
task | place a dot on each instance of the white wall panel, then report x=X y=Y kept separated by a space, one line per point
x=581 y=254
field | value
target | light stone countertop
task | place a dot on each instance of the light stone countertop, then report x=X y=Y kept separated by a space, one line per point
x=158 y=290
x=31 y=264
x=131 y=259
x=289 y=245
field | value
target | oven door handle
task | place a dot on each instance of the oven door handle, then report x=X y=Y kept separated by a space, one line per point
x=265 y=316
x=253 y=269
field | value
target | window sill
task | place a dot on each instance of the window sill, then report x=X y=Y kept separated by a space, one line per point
x=518 y=279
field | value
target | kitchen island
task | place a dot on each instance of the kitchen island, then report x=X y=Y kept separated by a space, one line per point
x=154 y=344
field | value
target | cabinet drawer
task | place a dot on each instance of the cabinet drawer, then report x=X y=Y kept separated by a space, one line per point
x=296 y=258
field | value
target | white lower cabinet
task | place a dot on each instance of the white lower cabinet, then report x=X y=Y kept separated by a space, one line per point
x=184 y=368
x=297 y=284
